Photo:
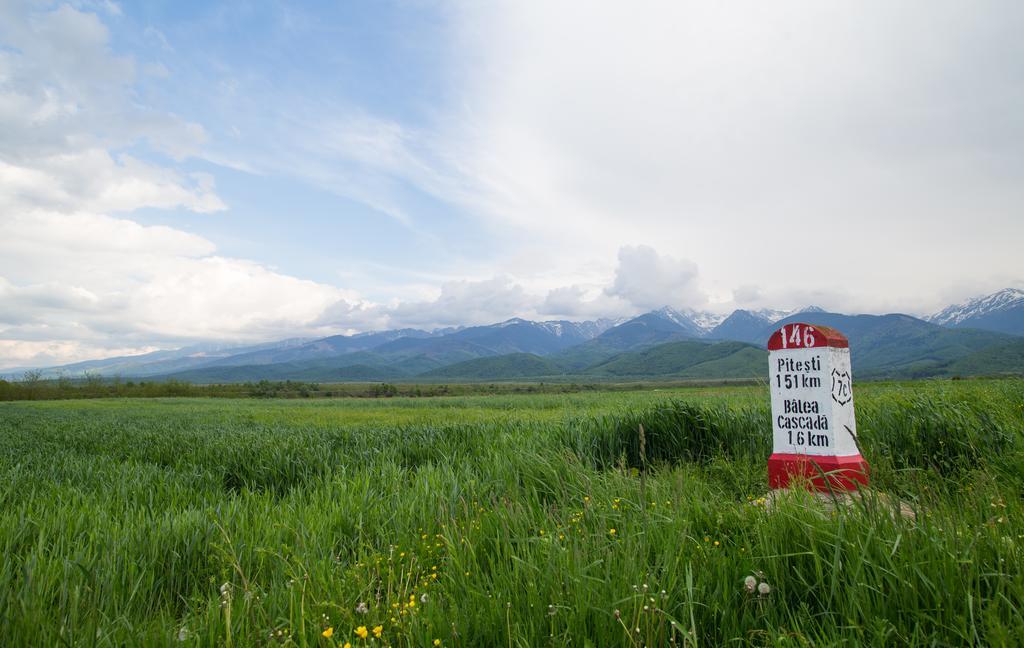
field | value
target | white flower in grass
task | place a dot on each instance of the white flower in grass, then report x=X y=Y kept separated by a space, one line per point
x=183 y=634
x=362 y=608
x=750 y=583
x=764 y=589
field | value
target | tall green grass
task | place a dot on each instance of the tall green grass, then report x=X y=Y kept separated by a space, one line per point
x=506 y=521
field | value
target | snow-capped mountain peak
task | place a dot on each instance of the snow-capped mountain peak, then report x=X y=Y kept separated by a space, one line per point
x=706 y=319
x=1004 y=300
x=672 y=315
x=772 y=314
x=560 y=328
x=688 y=318
x=554 y=327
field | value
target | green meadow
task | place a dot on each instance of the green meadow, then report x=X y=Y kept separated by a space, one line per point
x=506 y=520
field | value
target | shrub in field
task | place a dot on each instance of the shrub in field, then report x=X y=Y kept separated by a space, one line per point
x=384 y=390
x=673 y=432
x=943 y=435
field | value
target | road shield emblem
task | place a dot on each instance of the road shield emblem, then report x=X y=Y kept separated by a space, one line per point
x=842 y=387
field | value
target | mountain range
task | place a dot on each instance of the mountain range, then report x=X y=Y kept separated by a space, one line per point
x=982 y=336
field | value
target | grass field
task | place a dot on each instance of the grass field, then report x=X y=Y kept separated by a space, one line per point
x=508 y=520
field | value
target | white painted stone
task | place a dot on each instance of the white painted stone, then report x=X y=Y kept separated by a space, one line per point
x=812 y=399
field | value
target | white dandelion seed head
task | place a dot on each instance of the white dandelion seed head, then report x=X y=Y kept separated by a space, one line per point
x=362 y=608
x=750 y=583
x=183 y=634
x=764 y=589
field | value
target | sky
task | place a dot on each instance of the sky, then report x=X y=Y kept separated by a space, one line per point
x=179 y=172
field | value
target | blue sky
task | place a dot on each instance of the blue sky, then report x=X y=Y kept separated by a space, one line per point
x=256 y=78
x=174 y=172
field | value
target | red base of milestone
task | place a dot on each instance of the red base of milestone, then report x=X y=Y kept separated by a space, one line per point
x=821 y=473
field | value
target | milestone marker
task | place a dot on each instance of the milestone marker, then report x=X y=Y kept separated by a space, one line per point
x=813 y=425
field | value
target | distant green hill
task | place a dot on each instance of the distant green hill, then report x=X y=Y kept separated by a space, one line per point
x=747 y=362
x=581 y=356
x=688 y=359
x=994 y=360
x=512 y=365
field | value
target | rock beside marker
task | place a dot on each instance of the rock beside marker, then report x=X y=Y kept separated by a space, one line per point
x=841 y=500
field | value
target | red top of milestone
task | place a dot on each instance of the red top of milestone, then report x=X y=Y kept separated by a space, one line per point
x=798 y=335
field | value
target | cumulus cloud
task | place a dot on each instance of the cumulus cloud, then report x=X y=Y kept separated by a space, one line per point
x=101 y=280
x=746 y=294
x=67 y=102
x=647 y=279
x=31 y=353
x=575 y=302
x=94 y=181
x=465 y=303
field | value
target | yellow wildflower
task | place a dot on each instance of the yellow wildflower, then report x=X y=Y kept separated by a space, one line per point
x=437 y=642
x=361 y=632
x=378 y=631
x=611 y=531
x=328 y=632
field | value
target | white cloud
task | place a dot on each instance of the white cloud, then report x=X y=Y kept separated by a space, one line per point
x=746 y=294
x=814 y=147
x=648 y=280
x=31 y=353
x=93 y=181
x=76 y=282
x=466 y=303
x=67 y=102
x=576 y=302
x=84 y=281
